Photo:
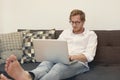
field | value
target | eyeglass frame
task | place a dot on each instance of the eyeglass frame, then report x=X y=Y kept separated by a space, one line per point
x=75 y=22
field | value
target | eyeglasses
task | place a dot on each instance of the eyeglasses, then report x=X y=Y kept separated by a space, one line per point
x=75 y=22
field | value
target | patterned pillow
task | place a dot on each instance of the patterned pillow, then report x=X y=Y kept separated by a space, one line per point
x=28 y=49
x=10 y=42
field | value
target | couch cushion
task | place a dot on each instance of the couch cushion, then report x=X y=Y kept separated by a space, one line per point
x=28 y=36
x=100 y=73
x=10 y=43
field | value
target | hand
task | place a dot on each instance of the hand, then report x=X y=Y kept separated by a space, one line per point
x=80 y=57
x=72 y=57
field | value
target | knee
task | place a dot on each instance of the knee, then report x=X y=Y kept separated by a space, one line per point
x=58 y=66
x=46 y=63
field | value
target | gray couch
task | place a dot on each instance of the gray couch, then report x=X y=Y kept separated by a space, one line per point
x=105 y=66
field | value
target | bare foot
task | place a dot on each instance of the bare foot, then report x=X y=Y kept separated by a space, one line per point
x=2 y=77
x=14 y=69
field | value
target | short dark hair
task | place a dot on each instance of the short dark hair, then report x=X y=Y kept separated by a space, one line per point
x=77 y=12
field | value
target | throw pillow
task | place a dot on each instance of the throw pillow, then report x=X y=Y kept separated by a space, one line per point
x=10 y=42
x=28 y=49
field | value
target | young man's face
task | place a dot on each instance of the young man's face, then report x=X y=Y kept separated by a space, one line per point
x=77 y=24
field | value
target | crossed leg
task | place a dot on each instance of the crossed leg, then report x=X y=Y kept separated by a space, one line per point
x=14 y=70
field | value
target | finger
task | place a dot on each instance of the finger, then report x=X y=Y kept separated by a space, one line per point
x=69 y=57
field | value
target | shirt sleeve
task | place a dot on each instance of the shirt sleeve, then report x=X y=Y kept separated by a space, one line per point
x=91 y=47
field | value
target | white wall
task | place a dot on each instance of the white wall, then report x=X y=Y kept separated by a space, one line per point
x=47 y=14
x=1 y=28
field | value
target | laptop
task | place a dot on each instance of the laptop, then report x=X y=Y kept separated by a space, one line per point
x=52 y=50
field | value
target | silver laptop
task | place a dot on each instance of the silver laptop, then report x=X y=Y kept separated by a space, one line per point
x=51 y=50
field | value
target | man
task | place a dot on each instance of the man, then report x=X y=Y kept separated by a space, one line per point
x=81 y=45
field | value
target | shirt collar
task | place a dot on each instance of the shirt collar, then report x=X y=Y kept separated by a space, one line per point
x=83 y=33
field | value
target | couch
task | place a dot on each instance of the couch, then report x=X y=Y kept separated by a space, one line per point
x=105 y=66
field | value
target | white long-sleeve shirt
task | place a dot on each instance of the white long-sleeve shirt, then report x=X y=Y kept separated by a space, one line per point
x=84 y=43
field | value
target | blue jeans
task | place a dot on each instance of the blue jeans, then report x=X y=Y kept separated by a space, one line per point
x=50 y=71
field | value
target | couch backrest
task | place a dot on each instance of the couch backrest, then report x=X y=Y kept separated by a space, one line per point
x=108 y=49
